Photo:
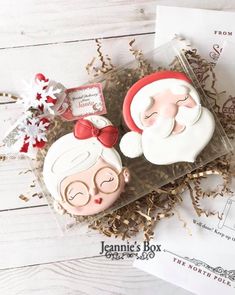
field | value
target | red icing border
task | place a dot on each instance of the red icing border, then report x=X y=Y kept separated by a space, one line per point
x=141 y=83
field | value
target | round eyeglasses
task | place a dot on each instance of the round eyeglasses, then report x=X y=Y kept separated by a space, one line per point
x=106 y=180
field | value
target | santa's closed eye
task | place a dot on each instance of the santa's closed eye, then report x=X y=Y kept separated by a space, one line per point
x=184 y=99
x=150 y=115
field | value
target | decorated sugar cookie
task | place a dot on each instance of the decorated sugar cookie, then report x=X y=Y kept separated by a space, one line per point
x=166 y=119
x=82 y=170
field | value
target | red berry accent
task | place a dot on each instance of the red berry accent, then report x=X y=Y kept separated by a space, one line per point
x=41 y=77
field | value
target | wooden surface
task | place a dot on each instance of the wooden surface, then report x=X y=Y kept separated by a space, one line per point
x=57 y=37
x=87 y=276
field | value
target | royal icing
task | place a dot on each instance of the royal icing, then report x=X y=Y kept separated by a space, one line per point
x=167 y=122
x=82 y=170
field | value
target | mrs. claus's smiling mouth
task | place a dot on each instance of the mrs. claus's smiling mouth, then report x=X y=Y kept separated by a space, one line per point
x=98 y=201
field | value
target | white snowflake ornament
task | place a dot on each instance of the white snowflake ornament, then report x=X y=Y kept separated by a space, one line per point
x=40 y=94
x=33 y=132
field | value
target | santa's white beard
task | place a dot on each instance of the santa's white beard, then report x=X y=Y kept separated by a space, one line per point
x=159 y=148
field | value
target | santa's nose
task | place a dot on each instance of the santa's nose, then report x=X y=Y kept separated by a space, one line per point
x=170 y=110
x=93 y=191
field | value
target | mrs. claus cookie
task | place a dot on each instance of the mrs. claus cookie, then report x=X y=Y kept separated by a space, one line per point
x=82 y=170
x=167 y=121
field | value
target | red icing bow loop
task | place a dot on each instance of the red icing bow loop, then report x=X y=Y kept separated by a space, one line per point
x=107 y=135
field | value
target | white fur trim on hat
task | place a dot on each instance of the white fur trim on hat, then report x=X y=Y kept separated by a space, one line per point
x=131 y=144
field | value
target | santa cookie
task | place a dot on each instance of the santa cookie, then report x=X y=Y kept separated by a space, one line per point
x=167 y=122
x=82 y=170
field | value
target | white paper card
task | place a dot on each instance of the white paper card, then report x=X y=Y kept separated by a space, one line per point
x=198 y=252
x=205 y=29
x=225 y=85
x=225 y=77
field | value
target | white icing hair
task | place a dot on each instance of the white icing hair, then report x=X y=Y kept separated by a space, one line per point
x=142 y=100
x=69 y=155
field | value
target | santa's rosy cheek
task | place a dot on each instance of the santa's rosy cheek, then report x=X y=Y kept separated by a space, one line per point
x=149 y=117
x=149 y=122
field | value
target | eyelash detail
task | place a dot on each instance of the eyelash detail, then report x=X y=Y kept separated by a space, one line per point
x=146 y=117
x=72 y=197
x=110 y=179
x=186 y=97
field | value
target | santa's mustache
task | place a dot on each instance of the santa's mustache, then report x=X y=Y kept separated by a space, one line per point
x=186 y=116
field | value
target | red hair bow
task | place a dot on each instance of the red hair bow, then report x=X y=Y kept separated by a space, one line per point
x=107 y=135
